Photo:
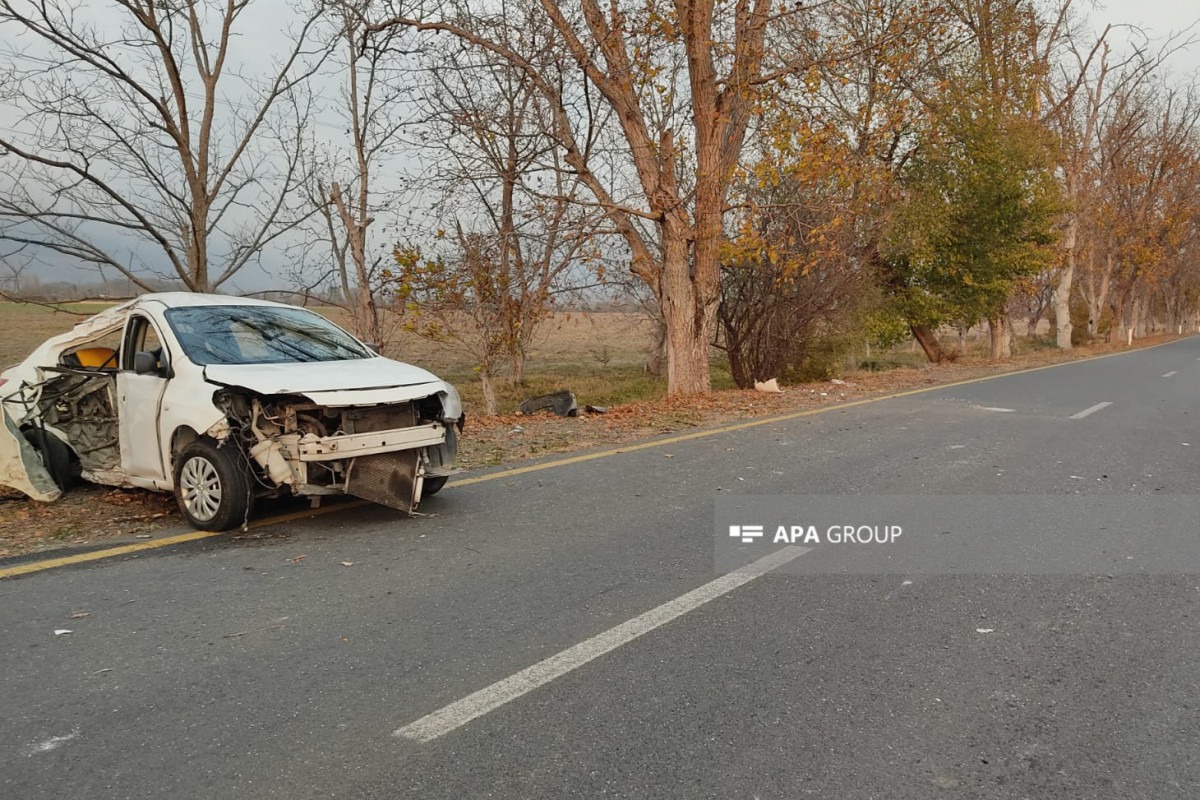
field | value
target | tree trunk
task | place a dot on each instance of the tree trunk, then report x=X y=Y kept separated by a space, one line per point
x=368 y=315
x=488 y=384
x=962 y=339
x=656 y=362
x=1096 y=304
x=690 y=319
x=1117 y=329
x=929 y=343
x=516 y=366
x=1000 y=329
x=1062 y=291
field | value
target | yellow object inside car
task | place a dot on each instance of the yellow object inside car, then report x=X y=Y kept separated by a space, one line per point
x=94 y=357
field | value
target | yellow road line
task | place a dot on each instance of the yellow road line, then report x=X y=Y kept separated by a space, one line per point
x=79 y=558
x=95 y=555
x=166 y=541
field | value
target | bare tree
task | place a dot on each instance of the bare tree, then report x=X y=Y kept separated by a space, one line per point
x=344 y=183
x=1080 y=94
x=501 y=177
x=1144 y=202
x=682 y=132
x=520 y=238
x=140 y=136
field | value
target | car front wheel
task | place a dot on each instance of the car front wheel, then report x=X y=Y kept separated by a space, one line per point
x=213 y=486
x=432 y=486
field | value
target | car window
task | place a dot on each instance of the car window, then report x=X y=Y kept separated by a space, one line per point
x=260 y=335
x=142 y=336
x=100 y=354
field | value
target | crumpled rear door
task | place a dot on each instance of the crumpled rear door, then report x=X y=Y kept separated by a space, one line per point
x=20 y=465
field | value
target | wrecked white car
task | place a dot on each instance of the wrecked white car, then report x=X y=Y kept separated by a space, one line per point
x=223 y=400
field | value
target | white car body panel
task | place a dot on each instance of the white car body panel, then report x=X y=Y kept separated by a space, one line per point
x=339 y=384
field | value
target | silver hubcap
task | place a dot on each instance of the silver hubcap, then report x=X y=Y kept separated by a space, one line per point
x=200 y=487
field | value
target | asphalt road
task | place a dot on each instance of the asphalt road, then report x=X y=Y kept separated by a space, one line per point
x=233 y=668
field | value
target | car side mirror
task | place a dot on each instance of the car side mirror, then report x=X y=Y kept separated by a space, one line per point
x=374 y=347
x=145 y=363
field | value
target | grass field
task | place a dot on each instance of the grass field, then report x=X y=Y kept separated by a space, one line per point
x=599 y=356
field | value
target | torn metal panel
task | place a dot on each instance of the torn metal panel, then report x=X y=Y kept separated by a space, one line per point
x=340 y=384
x=20 y=465
x=81 y=407
x=440 y=459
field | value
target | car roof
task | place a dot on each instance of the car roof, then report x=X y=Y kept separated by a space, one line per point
x=187 y=299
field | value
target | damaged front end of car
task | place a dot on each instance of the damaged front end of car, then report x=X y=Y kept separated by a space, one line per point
x=390 y=453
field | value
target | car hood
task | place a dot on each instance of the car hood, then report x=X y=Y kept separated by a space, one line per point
x=337 y=383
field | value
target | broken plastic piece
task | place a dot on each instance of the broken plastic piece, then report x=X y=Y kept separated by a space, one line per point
x=561 y=403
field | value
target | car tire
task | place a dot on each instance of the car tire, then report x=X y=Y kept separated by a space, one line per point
x=55 y=455
x=433 y=485
x=213 y=486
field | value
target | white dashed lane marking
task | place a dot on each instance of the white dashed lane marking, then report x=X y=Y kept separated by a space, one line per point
x=475 y=705
x=1090 y=411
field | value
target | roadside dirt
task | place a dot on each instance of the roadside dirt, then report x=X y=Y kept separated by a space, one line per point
x=90 y=514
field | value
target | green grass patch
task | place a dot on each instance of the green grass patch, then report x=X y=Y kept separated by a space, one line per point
x=898 y=359
x=592 y=385
x=67 y=309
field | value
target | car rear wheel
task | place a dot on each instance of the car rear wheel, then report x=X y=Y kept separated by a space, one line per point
x=213 y=486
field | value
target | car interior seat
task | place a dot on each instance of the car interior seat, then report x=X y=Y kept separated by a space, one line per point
x=92 y=358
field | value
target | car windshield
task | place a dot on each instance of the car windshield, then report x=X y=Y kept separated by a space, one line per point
x=260 y=335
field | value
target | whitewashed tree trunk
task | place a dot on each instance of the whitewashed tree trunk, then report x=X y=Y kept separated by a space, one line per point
x=1062 y=291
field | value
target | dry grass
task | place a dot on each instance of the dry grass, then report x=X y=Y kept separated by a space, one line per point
x=598 y=355
x=25 y=327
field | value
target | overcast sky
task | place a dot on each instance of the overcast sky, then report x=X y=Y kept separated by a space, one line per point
x=1157 y=18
